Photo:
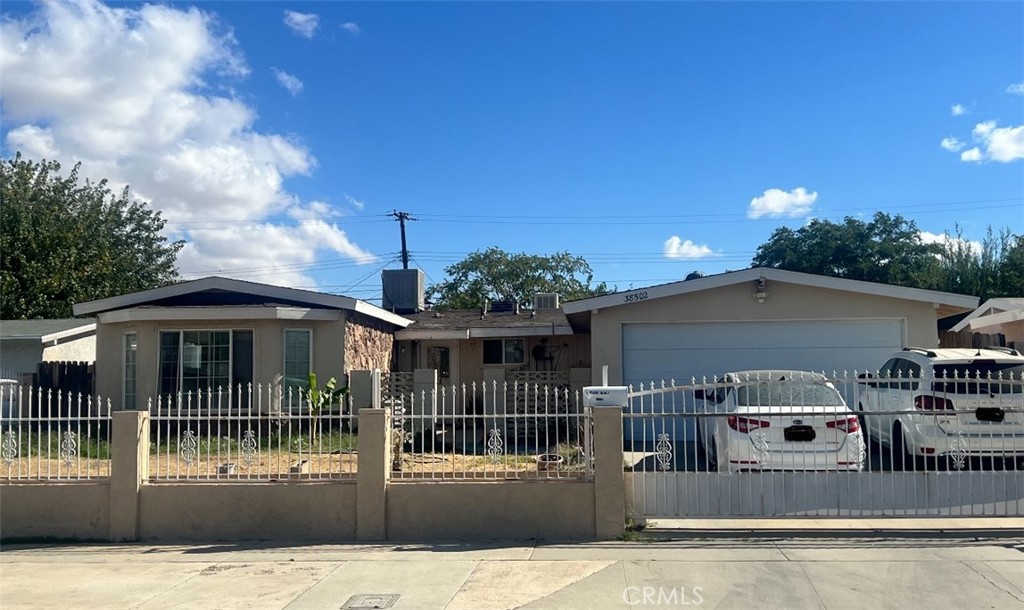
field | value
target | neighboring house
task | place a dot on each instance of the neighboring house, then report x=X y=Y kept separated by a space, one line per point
x=501 y=342
x=1004 y=316
x=759 y=318
x=26 y=343
x=216 y=332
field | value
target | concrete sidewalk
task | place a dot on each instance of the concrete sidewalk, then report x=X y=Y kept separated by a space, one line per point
x=780 y=572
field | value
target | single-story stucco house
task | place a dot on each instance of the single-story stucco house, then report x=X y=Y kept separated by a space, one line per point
x=759 y=318
x=26 y=343
x=496 y=343
x=1004 y=316
x=215 y=332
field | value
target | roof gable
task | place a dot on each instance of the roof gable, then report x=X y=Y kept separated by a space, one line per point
x=946 y=303
x=45 y=329
x=220 y=291
x=993 y=312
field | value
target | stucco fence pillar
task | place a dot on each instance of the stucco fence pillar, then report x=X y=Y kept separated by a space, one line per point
x=373 y=475
x=129 y=469
x=609 y=477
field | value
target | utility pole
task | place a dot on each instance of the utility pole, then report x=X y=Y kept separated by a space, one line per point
x=401 y=217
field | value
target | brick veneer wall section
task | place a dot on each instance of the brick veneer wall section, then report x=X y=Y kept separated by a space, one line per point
x=369 y=344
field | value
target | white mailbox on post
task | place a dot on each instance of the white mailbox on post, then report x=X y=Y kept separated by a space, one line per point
x=605 y=396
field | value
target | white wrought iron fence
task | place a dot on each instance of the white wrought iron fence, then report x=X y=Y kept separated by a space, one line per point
x=492 y=431
x=256 y=433
x=784 y=444
x=53 y=435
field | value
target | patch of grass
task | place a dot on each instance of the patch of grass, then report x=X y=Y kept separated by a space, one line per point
x=633 y=531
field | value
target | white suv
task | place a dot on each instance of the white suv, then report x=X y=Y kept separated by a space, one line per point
x=950 y=403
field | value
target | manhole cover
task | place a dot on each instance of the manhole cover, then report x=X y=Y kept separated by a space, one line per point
x=367 y=601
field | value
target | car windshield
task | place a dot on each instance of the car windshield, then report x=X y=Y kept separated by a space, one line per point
x=979 y=377
x=786 y=394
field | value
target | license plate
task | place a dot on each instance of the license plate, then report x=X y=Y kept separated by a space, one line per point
x=799 y=433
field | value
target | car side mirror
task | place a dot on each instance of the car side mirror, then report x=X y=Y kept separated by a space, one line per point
x=865 y=376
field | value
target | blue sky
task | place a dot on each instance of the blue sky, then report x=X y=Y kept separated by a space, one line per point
x=653 y=139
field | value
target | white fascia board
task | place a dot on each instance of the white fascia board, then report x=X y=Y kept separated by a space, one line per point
x=996 y=319
x=380 y=313
x=426 y=333
x=987 y=308
x=159 y=314
x=770 y=274
x=70 y=332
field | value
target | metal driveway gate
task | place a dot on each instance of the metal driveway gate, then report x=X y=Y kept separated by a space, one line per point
x=671 y=476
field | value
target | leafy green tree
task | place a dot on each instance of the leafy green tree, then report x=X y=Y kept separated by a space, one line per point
x=996 y=269
x=496 y=275
x=62 y=242
x=887 y=249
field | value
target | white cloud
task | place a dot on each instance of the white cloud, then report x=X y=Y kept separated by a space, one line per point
x=994 y=143
x=951 y=144
x=957 y=110
x=776 y=203
x=973 y=154
x=1016 y=89
x=313 y=210
x=283 y=252
x=289 y=82
x=302 y=24
x=675 y=247
x=945 y=238
x=355 y=203
x=34 y=142
x=351 y=28
x=135 y=94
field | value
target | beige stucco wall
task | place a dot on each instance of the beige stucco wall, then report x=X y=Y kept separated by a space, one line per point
x=80 y=349
x=737 y=303
x=19 y=357
x=512 y=510
x=248 y=511
x=268 y=347
x=56 y=510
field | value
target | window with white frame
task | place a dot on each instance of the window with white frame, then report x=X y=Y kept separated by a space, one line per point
x=131 y=351
x=298 y=357
x=504 y=351
x=192 y=360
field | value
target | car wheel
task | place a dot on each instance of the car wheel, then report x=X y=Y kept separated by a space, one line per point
x=712 y=455
x=862 y=420
x=902 y=460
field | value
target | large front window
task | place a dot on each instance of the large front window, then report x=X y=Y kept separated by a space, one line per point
x=504 y=351
x=298 y=355
x=131 y=350
x=193 y=360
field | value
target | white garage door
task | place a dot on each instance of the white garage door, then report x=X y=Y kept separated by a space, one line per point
x=683 y=350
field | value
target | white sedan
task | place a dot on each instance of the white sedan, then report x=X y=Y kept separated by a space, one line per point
x=778 y=420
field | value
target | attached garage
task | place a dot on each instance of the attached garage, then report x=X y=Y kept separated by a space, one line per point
x=662 y=350
x=755 y=319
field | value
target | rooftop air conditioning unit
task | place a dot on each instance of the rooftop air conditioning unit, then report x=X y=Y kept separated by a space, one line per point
x=403 y=291
x=545 y=300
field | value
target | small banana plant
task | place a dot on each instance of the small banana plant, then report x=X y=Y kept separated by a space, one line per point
x=318 y=399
